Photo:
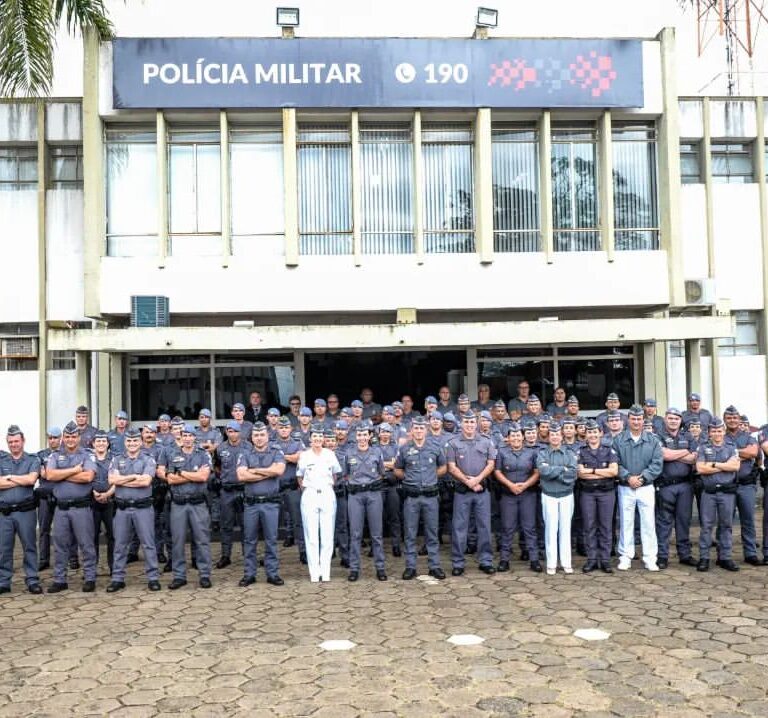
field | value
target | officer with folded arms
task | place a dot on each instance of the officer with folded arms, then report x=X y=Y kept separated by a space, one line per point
x=418 y=465
x=259 y=468
x=231 y=504
x=131 y=474
x=72 y=470
x=186 y=469
x=363 y=470
x=717 y=463
x=18 y=473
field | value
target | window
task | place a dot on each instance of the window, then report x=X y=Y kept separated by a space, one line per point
x=574 y=189
x=18 y=168
x=63 y=360
x=503 y=376
x=516 y=226
x=591 y=380
x=17 y=352
x=690 y=162
x=66 y=166
x=184 y=384
x=256 y=190
x=195 y=192
x=448 y=188
x=386 y=159
x=746 y=339
x=732 y=162
x=325 y=190
x=635 y=207
x=733 y=118
x=131 y=192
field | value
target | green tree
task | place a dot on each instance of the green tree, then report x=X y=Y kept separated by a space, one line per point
x=28 y=38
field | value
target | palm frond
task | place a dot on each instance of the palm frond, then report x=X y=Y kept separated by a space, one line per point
x=27 y=33
x=85 y=15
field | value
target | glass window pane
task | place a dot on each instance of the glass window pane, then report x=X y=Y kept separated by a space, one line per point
x=181 y=180
x=257 y=188
x=208 y=188
x=386 y=156
x=503 y=376
x=590 y=380
x=634 y=193
x=170 y=390
x=235 y=384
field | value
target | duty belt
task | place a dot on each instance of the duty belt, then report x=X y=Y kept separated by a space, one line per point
x=429 y=492
x=28 y=505
x=183 y=500
x=340 y=490
x=590 y=486
x=134 y=503
x=460 y=488
x=230 y=488
x=721 y=488
x=360 y=488
x=289 y=485
x=664 y=481
x=64 y=504
x=505 y=490
x=251 y=500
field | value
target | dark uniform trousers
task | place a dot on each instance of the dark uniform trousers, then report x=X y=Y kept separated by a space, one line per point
x=45 y=511
x=464 y=506
x=362 y=507
x=341 y=534
x=518 y=513
x=140 y=521
x=426 y=508
x=674 y=507
x=746 y=499
x=717 y=510
x=73 y=526
x=597 y=511
x=230 y=513
x=197 y=519
x=23 y=524
x=393 y=510
x=291 y=508
x=266 y=515
x=103 y=515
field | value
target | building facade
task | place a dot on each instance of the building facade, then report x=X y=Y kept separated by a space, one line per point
x=598 y=244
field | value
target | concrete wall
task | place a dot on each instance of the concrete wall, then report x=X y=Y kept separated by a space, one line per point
x=62 y=396
x=64 y=227
x=201 y=284
x=18 y=230
x=19 y=390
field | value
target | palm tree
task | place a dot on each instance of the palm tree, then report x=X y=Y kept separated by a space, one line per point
x=28 y=36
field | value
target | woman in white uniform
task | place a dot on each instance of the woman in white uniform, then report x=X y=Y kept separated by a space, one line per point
x=316 y=472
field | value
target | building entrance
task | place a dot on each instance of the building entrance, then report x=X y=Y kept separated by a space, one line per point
x=388 y=374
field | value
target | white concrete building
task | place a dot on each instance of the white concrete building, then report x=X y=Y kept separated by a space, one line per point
x=414 y=236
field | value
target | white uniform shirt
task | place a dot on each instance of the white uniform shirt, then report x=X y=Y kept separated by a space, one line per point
x=317 y=470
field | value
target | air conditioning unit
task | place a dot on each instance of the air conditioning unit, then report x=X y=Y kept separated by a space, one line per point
x=150 y=311
x=700 y=292
x=19 y=348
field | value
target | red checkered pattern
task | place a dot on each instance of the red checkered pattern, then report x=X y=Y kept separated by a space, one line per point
x=594 y=73
x=514 y=72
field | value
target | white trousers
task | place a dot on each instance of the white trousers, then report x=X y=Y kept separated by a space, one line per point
x=318 y=513
x=644 y=499
x=558 y=513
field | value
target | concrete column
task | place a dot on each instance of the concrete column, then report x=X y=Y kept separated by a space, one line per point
x=357 y=198
x=83 y=378
x=299 y=381
x=605 y=178
x=103 y=415
x=116 y=384
x=290 y=188
x=162 y=187
x=668 y=149
x=762 y=188
x=654 y=373
x=545 y=185
x=418 y=191
x=94 y=226
x=42 y=271
x=483 y=186
x=226 y=202
x=472 y=372
x=692 y=366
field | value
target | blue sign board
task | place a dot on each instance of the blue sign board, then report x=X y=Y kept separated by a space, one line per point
x=261 y=73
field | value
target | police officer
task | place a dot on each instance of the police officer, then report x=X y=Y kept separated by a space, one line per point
x=612 y=404
x=151 y=448
x=117 y=435
x=321 y=413
x=471 y=459
x=717 y=463
x=483 y=402
x=640 y=464
x=273 y=415
x=341 y=531
x=598 y=467
x=418 y=465
x=186 y=469
x=238 y=415
x=72 y=471
x=231 y=498
x=650 y=409
x=371 y=409
x=304 y=428
x=46 y=504
x=208 y=437
x=289 y=485
x=87 y=431
x=363 y=470
x=517 y=474
x=131 y=475
x=559 y=406
x=746 y=493
x=519 y=404
x=259 y=468
x=694 y=411
x=164 y=434
x=18 y=474
x=392 y=505
x=674 y=490
x=102 y=506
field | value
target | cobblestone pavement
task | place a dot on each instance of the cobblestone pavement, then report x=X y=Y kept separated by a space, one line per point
x=681 y=644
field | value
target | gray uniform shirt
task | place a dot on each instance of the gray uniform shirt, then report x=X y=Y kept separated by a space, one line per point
x=25 y=464
x=176 y=458
x=253 y=459
x=125 y=465
x=420 y=463
x=63 y=459
x=470 y=455
x=363 y=467
x=228 y=456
